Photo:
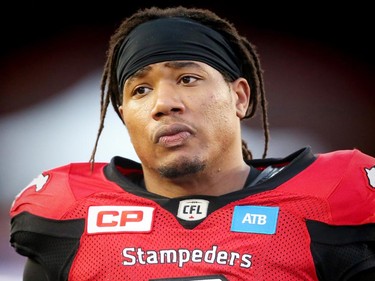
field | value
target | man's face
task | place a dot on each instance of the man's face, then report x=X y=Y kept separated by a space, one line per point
x=182 y=117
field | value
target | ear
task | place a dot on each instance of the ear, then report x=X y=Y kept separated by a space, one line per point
x=121 y=110
x=242 y=90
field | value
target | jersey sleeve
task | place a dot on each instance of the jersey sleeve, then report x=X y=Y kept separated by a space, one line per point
x=352 y=201
x=49 y=195
x=37 y=221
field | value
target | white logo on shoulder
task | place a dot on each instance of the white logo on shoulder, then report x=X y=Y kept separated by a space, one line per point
x=38 y=182
x=109 y=219
x=192 y=209
x=371 y=176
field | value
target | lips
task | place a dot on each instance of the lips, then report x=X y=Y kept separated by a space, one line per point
x=172 y=135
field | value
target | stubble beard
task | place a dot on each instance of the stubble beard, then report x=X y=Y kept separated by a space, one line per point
x=183 y=167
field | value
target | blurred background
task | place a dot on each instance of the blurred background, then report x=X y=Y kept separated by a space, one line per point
x=318 y=66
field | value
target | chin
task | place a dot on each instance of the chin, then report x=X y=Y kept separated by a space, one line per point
x=182 y=167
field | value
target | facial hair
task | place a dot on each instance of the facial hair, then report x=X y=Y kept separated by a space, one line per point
x=184 y=167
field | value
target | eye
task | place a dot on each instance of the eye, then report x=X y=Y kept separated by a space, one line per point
x=141 y=91
x=188 y=79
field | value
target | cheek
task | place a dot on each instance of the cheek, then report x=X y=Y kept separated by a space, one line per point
x=218 y=109
x=220 y=120
x=135 y=113
x=139 y=140
x=136 y=123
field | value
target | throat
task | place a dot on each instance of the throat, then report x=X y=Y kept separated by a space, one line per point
x=200 y=183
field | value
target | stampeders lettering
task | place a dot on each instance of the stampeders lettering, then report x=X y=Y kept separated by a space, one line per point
x=182 y=256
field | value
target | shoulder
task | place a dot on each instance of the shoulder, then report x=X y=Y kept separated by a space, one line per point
x=348 y=167
x=351 y=177
x=352 y=156
x=344 y=181
x=54 y=190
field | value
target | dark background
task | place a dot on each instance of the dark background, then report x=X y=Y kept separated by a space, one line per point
x=71 y=31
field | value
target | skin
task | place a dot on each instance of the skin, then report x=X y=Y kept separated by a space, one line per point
x=183 y=119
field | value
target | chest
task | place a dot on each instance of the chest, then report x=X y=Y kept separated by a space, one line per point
x=254 y=236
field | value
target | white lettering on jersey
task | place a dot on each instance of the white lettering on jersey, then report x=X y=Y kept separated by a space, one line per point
x=371 y=176
x=180 y=257
x=110 y=219
x=255 y=219
x=192 y=209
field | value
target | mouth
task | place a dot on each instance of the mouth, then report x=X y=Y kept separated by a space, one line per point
x=172 y=135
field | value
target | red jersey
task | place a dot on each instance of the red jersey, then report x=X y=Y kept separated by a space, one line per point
x=305 y=217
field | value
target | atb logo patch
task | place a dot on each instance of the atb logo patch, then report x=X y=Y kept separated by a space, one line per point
x=107 y=219
x=255 y=219
x=192 y=209
x=371 y=176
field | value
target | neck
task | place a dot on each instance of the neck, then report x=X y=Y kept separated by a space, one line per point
x=213 y=182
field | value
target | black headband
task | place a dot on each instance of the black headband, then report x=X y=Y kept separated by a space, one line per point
x=167 y=39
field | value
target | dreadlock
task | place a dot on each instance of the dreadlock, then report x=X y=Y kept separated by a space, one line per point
x=245 y=51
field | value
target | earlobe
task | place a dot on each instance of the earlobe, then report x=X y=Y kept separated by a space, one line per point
x=242 y=89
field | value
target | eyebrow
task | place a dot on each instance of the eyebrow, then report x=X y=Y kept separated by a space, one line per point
x=182 y=64
x=142 y=72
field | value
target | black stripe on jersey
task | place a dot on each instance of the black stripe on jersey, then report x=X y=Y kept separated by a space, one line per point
x=354 y=245
x=59 y=228
x=34 y=237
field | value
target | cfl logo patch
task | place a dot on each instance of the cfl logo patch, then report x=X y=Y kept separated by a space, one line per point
x=255 y=219
x=192 y=209
x=107 y=219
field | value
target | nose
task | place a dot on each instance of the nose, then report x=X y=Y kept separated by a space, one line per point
x=167 y=101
